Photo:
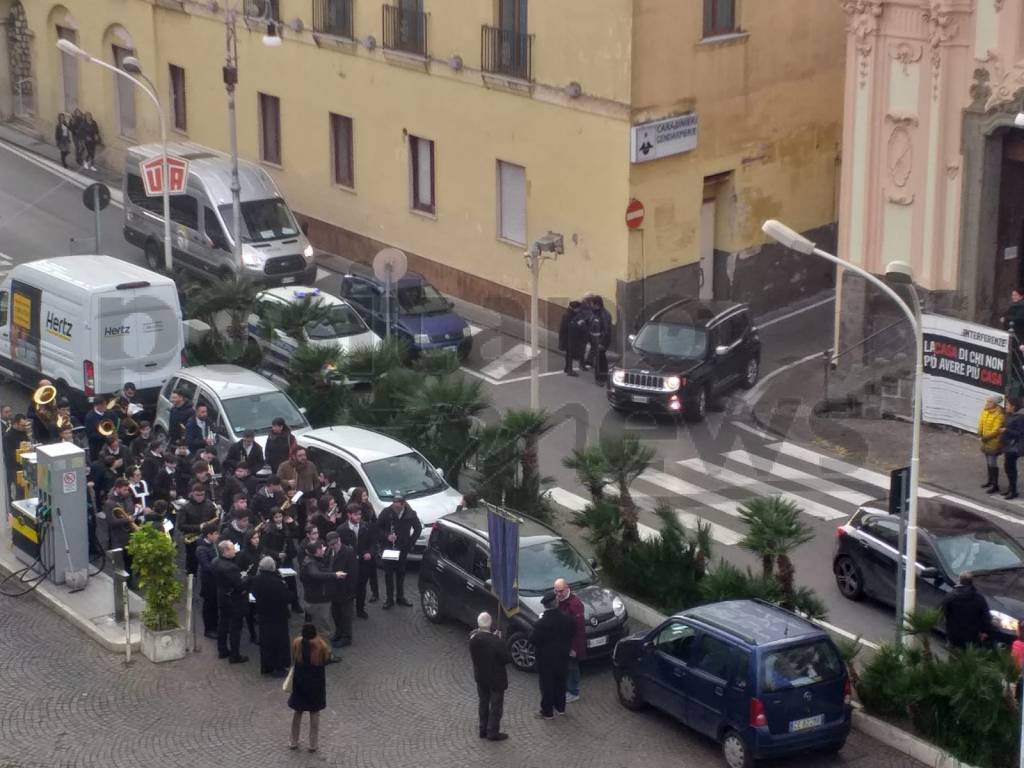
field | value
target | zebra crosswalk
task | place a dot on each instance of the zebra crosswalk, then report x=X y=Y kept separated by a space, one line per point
x=711 y=489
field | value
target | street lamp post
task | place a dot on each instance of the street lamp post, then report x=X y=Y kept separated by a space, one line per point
x=900 y=272
x=66 y=46
x=554 y=244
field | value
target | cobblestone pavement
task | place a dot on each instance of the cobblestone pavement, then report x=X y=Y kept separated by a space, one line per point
x=402 y=697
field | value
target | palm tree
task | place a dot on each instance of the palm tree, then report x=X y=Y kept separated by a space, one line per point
x=849 y=649
x=625 y=459
x=312 y=386
x=207 y=301
x=590 y=469
x=774 y=529
x=921 y=623
x=524 y=428
x=292 y=317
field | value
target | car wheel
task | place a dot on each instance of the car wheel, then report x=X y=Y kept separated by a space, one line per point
x=735 y=751
x=430 y=601
x=848 y=578
x=752 y=374
x=697 y=409
x=154 y=258
x=629 y=692
x=524 y=655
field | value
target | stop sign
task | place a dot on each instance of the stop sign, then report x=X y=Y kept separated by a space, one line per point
x=152 y=172
x=634 y=214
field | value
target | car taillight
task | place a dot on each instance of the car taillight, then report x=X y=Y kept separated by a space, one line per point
x=847 y=692
x=89 y=378
x=757 y=716
x=840 y=532
x=682 y=382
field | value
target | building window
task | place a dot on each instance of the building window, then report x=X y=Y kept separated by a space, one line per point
x=512 y=202
x=178 y=97
x=333 y=17
x=341 y=150
x=69 y=70
x=125 y=90
x=719 y=17
x=270 y=129
x=421 y=166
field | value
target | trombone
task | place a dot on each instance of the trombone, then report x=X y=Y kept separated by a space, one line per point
x=120 y=513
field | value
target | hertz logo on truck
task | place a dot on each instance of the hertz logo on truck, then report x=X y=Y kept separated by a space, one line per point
x=58 y=326
x=117 y=330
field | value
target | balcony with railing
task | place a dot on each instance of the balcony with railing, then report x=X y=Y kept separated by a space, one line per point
x=506 y=52
x=333 y=17
x=405 y=30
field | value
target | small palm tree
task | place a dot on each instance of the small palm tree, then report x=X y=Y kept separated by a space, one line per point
x=524 y=428
x=774 y=529
x=312 y=385
x=234 y=297
x=292 y=318
x=921 y=623
x=849 y=649
x=590 y=469
x=625 y=459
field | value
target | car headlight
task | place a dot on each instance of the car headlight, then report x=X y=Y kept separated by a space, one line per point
x=671 y=383
x=308 y=252
x=618 y=377
x=467 y=332
x=1004 y=622
x=618 y=607
x=421 y=338
x=249 y=257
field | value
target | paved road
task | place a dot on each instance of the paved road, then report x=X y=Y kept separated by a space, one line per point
x=66 y=703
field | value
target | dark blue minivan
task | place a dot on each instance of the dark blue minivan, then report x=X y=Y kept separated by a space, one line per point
x=420 y=315
x=759 y=679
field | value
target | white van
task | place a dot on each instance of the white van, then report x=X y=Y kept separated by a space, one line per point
x=275 y=250
x=90 y=324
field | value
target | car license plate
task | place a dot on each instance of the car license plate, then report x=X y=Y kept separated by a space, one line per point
x=286 y=280
x=451 y=350
x=641 y=399
x=806 y=723
x=597 y=642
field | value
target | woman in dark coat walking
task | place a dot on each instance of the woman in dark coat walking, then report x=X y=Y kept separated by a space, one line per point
x=309 y=684
x=62 y=138
x=273 y=601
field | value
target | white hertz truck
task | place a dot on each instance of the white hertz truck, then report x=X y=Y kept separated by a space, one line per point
x=90 y=324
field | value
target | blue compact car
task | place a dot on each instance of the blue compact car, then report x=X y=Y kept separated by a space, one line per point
x=419 y=313
x=761 y=680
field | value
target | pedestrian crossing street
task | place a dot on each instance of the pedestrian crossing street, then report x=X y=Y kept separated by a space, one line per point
x=710 y=490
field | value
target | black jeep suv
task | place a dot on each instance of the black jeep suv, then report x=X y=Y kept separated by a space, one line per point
x=685 y=353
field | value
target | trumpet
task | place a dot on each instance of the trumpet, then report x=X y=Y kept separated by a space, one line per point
x=120 y=513
x=63 y=421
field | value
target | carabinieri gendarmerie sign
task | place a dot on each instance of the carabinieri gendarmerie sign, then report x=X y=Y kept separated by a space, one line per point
x=663 y=138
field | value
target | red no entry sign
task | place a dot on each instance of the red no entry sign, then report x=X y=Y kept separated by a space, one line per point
x=634 y=214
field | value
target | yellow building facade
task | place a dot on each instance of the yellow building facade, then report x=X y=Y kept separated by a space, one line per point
x=463 y=131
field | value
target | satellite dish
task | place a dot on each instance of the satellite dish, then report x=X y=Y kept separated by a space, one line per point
x=390 y=264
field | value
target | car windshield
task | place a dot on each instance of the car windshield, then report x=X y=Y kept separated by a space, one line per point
x=801 y=665
x=985 y=550
x=421 y=299
x=672 y=340
x=340 y=322
x=263 y=220
x=541 y=564
x=408 y=475
x=256 y=412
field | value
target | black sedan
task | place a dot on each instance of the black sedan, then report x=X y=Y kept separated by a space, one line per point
x=951 y=540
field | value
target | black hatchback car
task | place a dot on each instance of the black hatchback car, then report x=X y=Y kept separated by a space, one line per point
x=951 y=540
x=455 y=582
x=685 y=353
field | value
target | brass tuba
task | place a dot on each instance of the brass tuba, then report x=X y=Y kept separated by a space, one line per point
x=45 y=401
x=120 y=513
x=106 y=428
x=130 y=426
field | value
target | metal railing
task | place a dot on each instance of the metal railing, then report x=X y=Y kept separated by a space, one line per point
x=506 y=52
x=405 y=30
x=831 y=357
x=333 y=17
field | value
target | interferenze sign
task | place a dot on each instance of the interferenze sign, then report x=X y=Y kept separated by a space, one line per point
x=964 y=364
x=663 y=138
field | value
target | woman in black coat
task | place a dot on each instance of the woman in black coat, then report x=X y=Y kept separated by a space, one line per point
x=272 y=609
x=362 y=498
x=309 y=684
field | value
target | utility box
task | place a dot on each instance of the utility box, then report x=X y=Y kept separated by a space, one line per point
x=61 y=512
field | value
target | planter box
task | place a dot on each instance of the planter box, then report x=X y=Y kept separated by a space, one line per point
x=907 y=743
x=169 y=645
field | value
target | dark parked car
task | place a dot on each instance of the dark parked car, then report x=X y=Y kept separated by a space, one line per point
x=419 y=313
x=951 y=540
x=686 y=353
x=759 y=679
x=455 y=582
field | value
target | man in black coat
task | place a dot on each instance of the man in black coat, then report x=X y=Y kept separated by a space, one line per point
x=490 y=657
x=362 y=537
x=232 y=602
x=206 y=553
x=968 y=621
x=572 y=333
x=343 y=560
x=93 y=419
x=246 y=451
x=398 y=527
x=552 y=640
x=191 y=517
x=181 y=411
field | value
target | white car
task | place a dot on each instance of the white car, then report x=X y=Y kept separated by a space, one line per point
x=344 y=329
x=237 y=399
x=352 y=456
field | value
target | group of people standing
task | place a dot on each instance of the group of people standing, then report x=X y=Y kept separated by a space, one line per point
x=1001 y=432
x=81 y=133
x=584 y=336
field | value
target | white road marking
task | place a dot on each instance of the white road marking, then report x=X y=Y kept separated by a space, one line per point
x=690 y=521
x=751 y=395
x=475 y=329
x=322 y=273
x=754 y=431
x=776 y=469
x=794 y=313
x=78 y=179
x=507 y=362
x=569 y=500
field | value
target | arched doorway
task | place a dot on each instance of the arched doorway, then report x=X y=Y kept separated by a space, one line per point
x=18 y=42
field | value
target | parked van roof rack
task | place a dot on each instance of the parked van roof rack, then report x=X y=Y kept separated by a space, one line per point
x=136 y=284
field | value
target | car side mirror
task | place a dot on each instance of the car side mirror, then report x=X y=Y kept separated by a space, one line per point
x=630 y=339
x=488 y=583
x=304 y=226
x=451 y=305
x=440 y=472
x=930 y=573
x=593 y=563
x=302 y=410
x=721 y=350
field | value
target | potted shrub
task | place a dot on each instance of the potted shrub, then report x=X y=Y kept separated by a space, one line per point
x=154 y=562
